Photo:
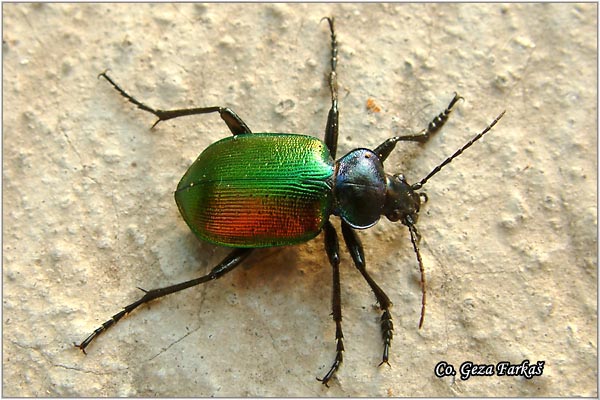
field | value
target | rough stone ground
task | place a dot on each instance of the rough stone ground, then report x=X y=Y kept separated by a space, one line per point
x=509 y=234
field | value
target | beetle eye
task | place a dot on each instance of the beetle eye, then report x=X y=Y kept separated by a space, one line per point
x=393 y=216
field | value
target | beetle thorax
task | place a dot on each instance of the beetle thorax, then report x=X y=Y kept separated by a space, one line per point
x=364 y=192
x=360 y=188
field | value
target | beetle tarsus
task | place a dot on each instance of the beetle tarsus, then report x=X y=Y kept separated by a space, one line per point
x=103 y=73
x=82 y=346
x=385 y=148
x=387 y=334
x=438 y=122
x=331 y=373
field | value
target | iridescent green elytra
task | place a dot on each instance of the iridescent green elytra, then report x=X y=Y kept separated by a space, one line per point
x=258 y=190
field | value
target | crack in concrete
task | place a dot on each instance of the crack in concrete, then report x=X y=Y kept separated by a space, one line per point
x=173 y=344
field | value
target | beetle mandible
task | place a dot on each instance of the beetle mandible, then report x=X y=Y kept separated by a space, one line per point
x=254 y=190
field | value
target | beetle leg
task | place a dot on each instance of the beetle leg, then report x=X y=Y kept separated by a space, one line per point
x=331 y=130
x=384 y=149
x=333 y=253
x=358 y=256
x=228 y=264
x=233 y=121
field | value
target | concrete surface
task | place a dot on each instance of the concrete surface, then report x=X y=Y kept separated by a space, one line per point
x=509 y=233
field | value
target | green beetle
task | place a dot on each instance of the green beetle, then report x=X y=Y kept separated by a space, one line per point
x=256 y=190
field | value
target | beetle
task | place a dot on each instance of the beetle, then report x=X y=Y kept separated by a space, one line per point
x=256 y=190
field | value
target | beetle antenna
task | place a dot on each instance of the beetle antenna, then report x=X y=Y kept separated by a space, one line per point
x=447 y=161
x=414 y=238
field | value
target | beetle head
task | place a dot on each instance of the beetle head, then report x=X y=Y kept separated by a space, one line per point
x=402 y=202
